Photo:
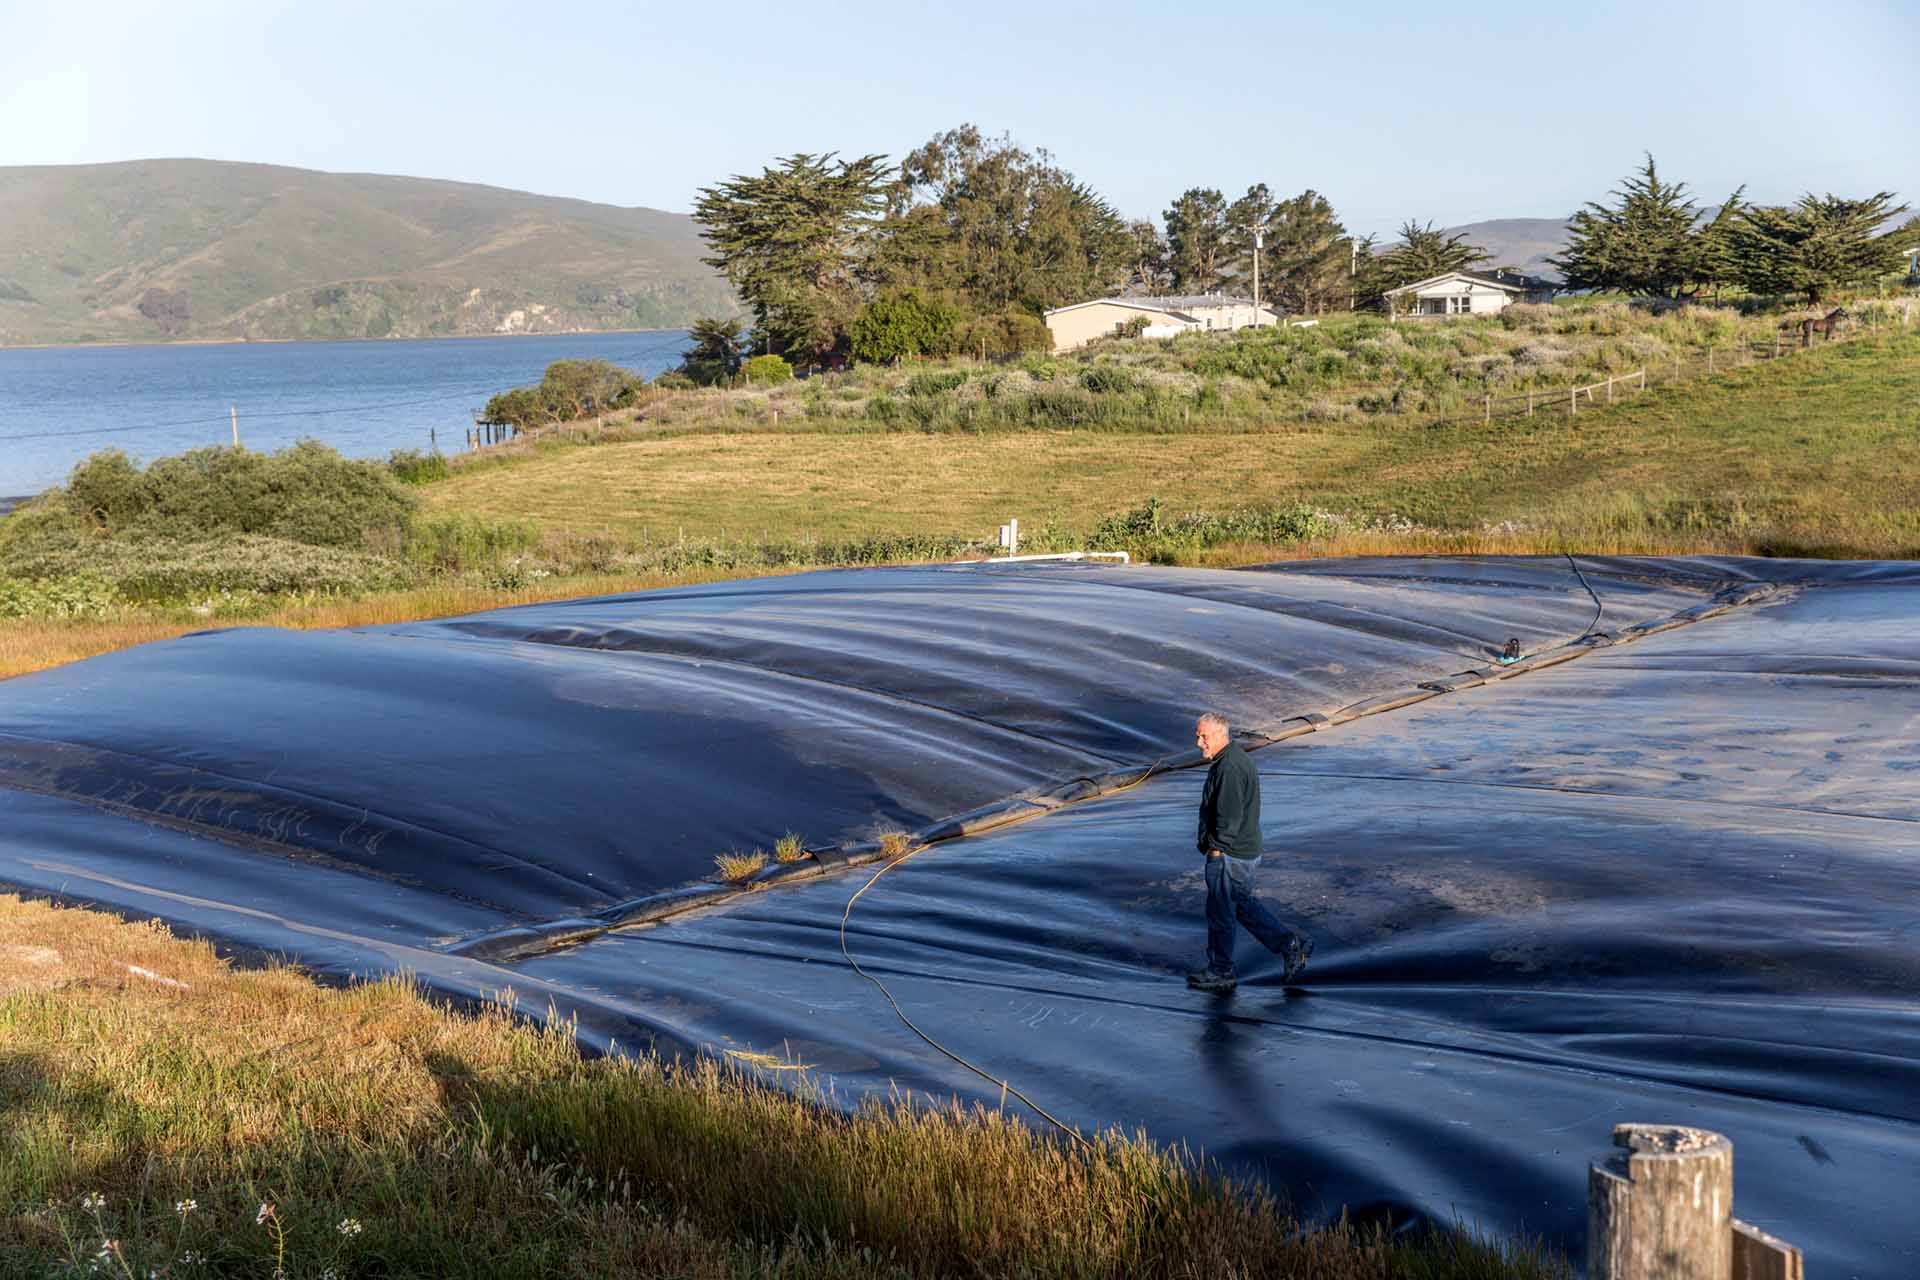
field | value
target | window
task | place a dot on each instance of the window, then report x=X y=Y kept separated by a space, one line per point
x=1460 y=305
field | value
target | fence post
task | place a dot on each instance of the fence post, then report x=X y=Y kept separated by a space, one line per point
x=1643 y=378
x=1609 y=388
x=1709 y=361
x=1660 y=1207
x=1529 y=402
x=1573 y=401
x=1489 y=408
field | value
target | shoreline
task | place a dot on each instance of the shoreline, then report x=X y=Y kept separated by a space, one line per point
x=250 y=342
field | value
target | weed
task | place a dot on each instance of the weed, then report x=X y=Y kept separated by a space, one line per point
x=789 y=848
x=737 y=867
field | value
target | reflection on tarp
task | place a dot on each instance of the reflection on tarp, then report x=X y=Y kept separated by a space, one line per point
x=1673 y=880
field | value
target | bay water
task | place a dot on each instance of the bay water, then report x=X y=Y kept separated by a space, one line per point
x=60 y=404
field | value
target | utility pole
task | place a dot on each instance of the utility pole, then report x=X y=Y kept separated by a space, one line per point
x=1259 y=238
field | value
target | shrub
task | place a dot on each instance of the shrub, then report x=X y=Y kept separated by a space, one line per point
x=765 y=371
x=901 y=325
x=410 y=466
x=108 y=490
x=81 y=595
x=1108 y=379
x=1004 y=334
x=569 y=389
x=456 y=543
x=674 y=380
x=307 y=493
x=1131 y=327
x=936 y=383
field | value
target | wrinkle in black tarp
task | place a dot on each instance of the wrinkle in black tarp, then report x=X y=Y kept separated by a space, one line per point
x=1673 y=880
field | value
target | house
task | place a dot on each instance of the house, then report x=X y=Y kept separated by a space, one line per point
x=1082 y=322
x=1462 y=293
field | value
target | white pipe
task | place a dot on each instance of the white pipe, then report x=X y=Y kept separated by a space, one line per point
x=1121 y=556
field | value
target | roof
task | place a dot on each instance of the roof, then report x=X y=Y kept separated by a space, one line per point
x=1172 y=305
x=1512 y=284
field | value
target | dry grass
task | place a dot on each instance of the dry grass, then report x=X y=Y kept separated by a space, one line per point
x=1816 y=452
x=789 y=848
x=895 y=844
x=480 y=1146
x=736 y=867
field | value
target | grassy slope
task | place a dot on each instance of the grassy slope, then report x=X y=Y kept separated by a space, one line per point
x=1817 y=451
x=250 y=243
x=391 y=1138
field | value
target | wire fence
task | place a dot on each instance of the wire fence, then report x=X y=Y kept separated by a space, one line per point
x=1789 y=340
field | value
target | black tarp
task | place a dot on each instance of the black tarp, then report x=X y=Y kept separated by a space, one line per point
x=1671 y=880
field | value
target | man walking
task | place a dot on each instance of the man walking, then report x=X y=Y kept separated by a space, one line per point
x=1230 y=843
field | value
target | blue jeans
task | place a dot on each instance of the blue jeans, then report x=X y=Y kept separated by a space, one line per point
x=1230 y=899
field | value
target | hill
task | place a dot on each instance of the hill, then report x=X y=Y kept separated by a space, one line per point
x=1525 y=243
x=166 y=249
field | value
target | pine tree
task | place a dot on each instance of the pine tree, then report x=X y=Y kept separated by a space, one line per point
x=1310 y=257
x=1649 y=242
x=1197 y=239
x=1818 y=245
x=792 y=241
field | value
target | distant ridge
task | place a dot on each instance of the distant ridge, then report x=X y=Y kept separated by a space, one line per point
x=152 y=250
x=1523 y=243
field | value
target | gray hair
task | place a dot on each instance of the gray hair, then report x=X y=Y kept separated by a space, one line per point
x=1213 y=720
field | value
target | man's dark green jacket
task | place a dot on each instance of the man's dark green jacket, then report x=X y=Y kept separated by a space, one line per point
x=1230 y=805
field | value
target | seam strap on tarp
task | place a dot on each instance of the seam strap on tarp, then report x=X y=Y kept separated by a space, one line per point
x=524 y=941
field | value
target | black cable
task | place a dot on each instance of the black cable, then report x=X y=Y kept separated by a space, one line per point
x=1598 y=608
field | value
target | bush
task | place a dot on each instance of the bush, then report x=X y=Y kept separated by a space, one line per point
x=765 y=371
x=934 y=384
x=901 y=325
x=569 y=389
x=1108 y=379
x=307 y=493
x=410 y=466
x=1132 y=327
x=108 y=490
x=1005 y=334
x=674 y=380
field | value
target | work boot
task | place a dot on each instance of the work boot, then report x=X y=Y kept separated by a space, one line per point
x=1298 y=952
x=1208 y=980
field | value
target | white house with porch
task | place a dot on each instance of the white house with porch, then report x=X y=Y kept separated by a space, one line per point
x=1465 y=293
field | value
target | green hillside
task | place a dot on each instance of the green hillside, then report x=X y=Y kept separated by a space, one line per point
x=166 y=249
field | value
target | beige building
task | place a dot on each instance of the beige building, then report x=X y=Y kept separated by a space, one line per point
x=1079 y=324
x=1465 y=293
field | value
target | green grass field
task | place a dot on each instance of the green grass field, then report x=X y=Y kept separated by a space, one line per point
x=1816 y=454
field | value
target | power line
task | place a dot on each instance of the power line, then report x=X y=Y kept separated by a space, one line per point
x=660 y=345
x=271 y=414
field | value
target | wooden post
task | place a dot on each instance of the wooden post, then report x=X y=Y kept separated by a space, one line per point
x=1709 y=361
x=1488 y=409
x=1609 y=388
x=1643 y=379
x=234 y=409
x=1529 y=402
x=1759 y=1256
x=1660 y=1206
x=1573 y=401
x=1776 y=344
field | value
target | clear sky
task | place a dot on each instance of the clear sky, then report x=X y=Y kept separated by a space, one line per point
x=1449 y=112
